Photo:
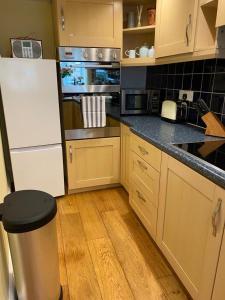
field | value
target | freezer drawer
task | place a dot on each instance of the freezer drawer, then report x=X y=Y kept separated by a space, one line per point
x=30 y=100
x=39 y=168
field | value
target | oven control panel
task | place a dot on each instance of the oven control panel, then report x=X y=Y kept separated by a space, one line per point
x=89 y=54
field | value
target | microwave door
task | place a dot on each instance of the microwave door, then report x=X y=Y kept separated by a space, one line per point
x=134 y=104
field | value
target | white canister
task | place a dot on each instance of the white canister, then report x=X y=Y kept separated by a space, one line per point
x=151 y=52
x=143 y=52
x=131 y=53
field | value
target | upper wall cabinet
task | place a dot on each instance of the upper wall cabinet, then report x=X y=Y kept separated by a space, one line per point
x=220 y=20
x=89 y=23
x=176 y=22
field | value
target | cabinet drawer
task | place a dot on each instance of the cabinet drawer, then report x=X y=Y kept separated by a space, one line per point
x=147 y=176
x=148 y=152
x=143 y=206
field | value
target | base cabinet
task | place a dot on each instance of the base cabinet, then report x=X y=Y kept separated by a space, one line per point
x=92 y=163
x=125 y=156
x=219 y=287
x=191 y=220
x=145 y=161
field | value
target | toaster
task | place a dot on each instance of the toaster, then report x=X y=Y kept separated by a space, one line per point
x=174 y=111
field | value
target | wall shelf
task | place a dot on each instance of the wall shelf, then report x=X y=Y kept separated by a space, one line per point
x=142 y=29
x=139 y=61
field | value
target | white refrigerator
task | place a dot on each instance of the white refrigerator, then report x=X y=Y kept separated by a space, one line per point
x=31 y=109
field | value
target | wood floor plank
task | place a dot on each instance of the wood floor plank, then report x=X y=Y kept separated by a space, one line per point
x=67 y=204
x=93 y=225
x=173 y=288
x=120 y=200
x=82 y=279
x=150 y=252
x=103 y=200
x=142 y=282
x=111 y=279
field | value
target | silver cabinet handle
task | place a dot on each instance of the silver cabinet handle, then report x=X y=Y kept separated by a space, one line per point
x=142 y=165
x=215 y=215
x=62 y=19
x=187 y=29
x=140 y=196
x=71 y=153
x=143 y=151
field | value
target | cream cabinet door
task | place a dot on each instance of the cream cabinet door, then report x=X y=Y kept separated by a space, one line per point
x=90 y=23
x=187 y=206
x=175 y=29
x=220 y=19
x=144 y=192
x=125 y=156
x=219 y=287
x=93 y=162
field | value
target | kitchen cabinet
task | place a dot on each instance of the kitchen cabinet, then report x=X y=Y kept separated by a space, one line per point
x=72 y=116
x=220 y=19
x=190 y=226
x=219 y=287
x=175 y=29
x=111 y=122
x=89 y=23
x=93 y=163
x=125 y=156
x=145 y=161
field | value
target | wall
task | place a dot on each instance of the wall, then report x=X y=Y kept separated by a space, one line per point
x=206 y=78
x=4 y=250
x=19 y=18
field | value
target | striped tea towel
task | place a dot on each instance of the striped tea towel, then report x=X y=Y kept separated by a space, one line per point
x=93 y=110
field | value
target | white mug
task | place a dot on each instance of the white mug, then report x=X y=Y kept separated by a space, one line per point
x=131 y=53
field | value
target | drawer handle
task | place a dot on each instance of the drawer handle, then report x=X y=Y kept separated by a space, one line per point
x=71 y=154
x=142 y=150
x=140 y=196
x=215 y=215
x=142 y=165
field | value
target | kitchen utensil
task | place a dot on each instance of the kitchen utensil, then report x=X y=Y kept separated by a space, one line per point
x=202 y=107
x=139 y=14
x=131 y=53
x=151 y=16
x=151 y=52
x=143 y=51
x=131 y=19
x=214 y=126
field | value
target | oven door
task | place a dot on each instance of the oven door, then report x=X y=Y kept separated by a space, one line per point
x=134 y=102
x=90 y=77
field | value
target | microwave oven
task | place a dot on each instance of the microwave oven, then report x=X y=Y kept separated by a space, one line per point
x=139 y=102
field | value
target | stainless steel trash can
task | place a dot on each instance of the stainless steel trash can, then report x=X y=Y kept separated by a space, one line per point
x=29 y=219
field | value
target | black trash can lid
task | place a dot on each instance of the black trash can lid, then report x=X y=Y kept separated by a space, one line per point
x=28 y=210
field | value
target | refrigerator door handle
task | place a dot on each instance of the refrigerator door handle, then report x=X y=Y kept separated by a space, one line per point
x=36 y=148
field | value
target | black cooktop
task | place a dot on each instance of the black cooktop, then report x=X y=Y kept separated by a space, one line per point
x=210 y=151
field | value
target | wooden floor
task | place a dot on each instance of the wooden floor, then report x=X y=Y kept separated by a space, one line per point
x=105 y=253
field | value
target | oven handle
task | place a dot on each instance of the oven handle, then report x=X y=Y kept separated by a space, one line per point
x=98 y=66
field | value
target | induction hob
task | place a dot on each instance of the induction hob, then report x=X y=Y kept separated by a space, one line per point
x=210 y=151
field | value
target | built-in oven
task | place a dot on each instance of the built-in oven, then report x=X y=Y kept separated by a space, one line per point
x=89 y=70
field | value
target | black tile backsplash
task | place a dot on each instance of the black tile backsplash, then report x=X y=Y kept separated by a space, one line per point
x=205 y=77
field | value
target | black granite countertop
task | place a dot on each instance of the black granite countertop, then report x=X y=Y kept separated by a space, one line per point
x=163 y=135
